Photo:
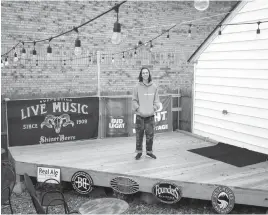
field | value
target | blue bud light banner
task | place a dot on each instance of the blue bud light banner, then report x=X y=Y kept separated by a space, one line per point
x=116 y=114
x=163 y=118
x=42 y=121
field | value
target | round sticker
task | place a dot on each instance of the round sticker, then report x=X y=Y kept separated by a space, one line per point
x=223 y=199
x=82 y=182
x=124 y=185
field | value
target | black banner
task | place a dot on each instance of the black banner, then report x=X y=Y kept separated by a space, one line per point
x=42 y=121
x=116 y=117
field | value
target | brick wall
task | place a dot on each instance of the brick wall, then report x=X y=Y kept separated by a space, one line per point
x=35 y=20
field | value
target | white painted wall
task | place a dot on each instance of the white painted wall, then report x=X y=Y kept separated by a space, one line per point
x=232 y=74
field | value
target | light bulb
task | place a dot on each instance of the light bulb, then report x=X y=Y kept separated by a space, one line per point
x=49 y=52
x=77 y=51
x=168 y=35
x=2 y=64
x=116 y=37
x=140 y=43
x=151 y=47
x=258 y=32
x=201 y=4
x=6 y=62
x=23 y=52
x=189 y=33
x=15 y=59
x=49 y=56
x=34 y=54
x=258 y=36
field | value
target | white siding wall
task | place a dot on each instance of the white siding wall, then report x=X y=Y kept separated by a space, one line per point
x=232 y=74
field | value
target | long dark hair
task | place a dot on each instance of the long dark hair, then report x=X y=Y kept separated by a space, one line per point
x=140 y=76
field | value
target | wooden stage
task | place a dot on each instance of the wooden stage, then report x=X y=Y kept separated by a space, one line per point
x=105 y=159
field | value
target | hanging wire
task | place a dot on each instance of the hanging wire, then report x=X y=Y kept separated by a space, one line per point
x=142 y=43
x=185 y=22
x=66 y=32
x=164 y=32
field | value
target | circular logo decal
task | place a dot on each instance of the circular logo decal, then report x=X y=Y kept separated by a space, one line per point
x=82 y=182
x=167 y=192
x=223 y=199
x=124 y=185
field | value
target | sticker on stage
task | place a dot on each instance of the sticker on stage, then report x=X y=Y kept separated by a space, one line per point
x=44 y=173
x=223 y=200
x=167 y=192
x=82 y=182
x=124 y=185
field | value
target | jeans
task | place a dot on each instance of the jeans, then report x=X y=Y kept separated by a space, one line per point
x=146 y=124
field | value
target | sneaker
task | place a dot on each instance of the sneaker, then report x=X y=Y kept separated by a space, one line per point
x=138 y=156
x=151 y=155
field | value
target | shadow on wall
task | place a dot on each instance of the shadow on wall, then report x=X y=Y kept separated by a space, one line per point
x=186 y=105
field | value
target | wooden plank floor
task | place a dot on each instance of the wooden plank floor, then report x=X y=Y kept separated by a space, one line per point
x=105 y=159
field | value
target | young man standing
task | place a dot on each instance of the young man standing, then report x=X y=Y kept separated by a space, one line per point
x=145 y=103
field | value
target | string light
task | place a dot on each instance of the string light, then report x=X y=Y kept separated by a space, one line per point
x=123 y=58
x=49 y=50
x=15 y=59
x=77 y=44
x=135 y=53
x=34 y=51
x=102 y=59
x=2 y=63
x=116 y=37
x=190 y=31
x=112 y=59
x=152 y=39
x=168 y=35
x=151 y=46
x=258 y=30
x=23 y=51
x=140 y=43
x=6 y=62
x=219 y=33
